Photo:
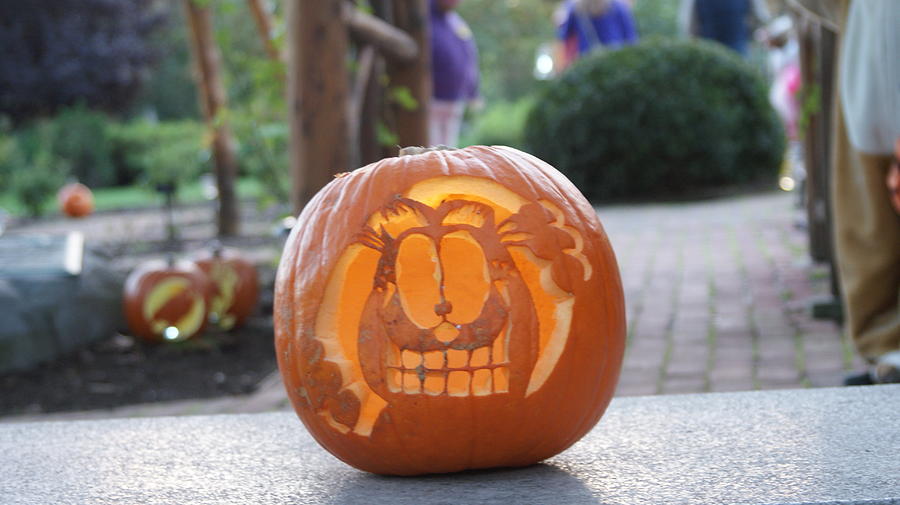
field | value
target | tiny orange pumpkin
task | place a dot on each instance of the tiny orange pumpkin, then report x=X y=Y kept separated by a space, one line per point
x=166 y=301
x=235 y=288
x=449 y=310
x=75 y=200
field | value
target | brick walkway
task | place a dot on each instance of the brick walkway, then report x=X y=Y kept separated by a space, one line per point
x=717 y=296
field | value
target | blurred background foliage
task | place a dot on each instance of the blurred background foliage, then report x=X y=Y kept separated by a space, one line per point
x=140 y=123
x=139 y=131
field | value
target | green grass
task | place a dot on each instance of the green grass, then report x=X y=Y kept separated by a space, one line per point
x=133 y=197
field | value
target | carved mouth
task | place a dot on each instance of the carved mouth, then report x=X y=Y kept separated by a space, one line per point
x=450 y=372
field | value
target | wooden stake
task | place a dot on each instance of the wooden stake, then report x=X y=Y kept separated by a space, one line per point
x=317 y=95
x=212 y=98
x=411 y=126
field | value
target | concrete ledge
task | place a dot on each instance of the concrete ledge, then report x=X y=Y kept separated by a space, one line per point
x=821 y=446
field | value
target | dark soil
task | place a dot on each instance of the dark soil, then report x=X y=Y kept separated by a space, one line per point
x=123 y=370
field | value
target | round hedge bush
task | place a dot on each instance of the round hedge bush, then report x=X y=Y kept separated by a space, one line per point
x=661 y=118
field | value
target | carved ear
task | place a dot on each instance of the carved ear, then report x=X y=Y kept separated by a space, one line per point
x=400 y=215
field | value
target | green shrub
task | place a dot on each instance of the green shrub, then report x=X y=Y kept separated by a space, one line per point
x=161 y=152
x=664 y=117
x=80 y=136
x=30 y=172
x=263 y=154
x=501 y=123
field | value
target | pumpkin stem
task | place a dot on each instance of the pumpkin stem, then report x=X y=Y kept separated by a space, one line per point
x=412 y=150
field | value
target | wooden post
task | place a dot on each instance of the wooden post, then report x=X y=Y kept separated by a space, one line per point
x=317 y=95
x=411 y=126
x=212 y=97
x=264 y=26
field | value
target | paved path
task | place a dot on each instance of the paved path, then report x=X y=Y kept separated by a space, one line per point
x=717 y=295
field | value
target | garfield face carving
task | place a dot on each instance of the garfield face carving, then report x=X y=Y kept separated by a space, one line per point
x=447 y=308
x=448 y=295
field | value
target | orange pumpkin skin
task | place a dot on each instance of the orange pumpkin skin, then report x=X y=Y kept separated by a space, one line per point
x=75 y=200
x=166 y=301
x=235 y=286
x=516 y=361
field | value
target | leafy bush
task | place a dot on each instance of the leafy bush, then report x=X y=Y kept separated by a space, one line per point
x=29 y=172
x=501 y=123
x=663 y=117
x=164 y=152
x=80 y=136
x=263 y=154
x=60 y=52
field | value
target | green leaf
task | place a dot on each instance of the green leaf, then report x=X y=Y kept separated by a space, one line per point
x=385 y=136
x=402 y=96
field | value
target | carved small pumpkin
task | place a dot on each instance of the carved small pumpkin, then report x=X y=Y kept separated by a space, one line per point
x=234 y=284
x=75 y=200
x=449 y=310
x=167 y=301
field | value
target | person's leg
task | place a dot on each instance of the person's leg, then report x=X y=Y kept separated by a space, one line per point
x=454 y=123
x=444 y=121
x=867 y=245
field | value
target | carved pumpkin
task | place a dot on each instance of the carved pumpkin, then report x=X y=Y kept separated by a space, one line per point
x=234 y=286
x=75 y=200
x=449 y=310
x=167 y=301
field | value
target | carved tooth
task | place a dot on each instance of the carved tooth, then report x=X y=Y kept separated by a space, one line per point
x=435 y=383
x=394 y=378
x=480 y=357
x=501 y=379
x=458 y=383
x=481 y=382
x=393 y=355
x=411 y=383
x=457 y=358
x=434 y=360
x=498 y=351
x=411 y=359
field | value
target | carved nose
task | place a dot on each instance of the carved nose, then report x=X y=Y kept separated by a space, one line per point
x=443 y=308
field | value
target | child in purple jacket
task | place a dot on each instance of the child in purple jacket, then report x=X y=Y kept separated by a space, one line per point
x=593 y=24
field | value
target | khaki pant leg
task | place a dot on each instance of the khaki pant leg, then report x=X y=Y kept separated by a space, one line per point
x=867 y=243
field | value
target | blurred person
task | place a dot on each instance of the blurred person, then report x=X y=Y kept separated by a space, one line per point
x=454 y=72
x=865 y=135
x=729 y=22
x=589 y=25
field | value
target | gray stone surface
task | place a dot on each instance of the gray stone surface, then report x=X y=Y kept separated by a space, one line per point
x=47 y=313
x=824 y=446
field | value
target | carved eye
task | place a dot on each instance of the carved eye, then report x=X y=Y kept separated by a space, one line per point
x=466 y=276
x=419 y=280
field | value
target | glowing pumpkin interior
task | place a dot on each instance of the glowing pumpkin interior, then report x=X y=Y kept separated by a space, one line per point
x=458 y=288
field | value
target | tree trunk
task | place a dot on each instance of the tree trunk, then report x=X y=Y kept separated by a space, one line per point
x=411 y=125
x=317 y=95
x=212 y=97
x=264 y=25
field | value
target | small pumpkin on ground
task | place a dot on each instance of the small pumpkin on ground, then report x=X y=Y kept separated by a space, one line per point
x=75 y=200
x=449 y=310
x=234 y=283
x=167 y=301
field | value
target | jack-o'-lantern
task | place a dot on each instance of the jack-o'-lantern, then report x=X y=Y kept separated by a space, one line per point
x=449 y=310
x=75 y=200
x=167 y=301
x=234 y=285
